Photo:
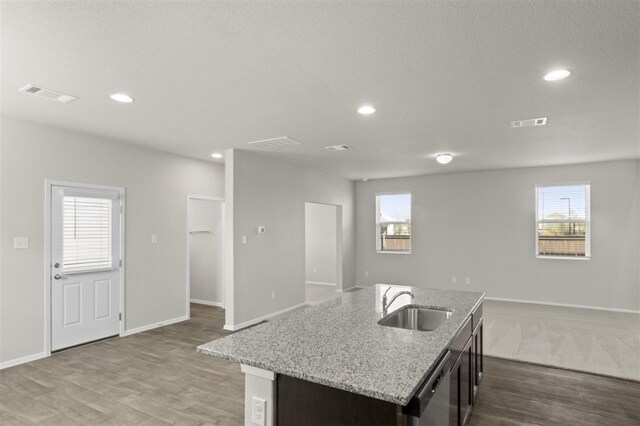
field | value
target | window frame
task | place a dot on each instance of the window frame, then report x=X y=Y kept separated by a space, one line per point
x=378 y=247
x=587 y=221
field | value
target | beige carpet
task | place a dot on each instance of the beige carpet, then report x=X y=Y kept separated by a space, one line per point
x=600 y=342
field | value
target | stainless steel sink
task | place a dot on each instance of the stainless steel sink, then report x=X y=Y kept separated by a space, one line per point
x=412 y=317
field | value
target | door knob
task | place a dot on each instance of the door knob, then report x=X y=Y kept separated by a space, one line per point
x=57 y=276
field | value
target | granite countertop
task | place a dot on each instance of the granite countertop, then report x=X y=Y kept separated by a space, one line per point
x=339 y=343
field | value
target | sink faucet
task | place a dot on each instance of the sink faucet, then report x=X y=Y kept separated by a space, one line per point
x=386 y=305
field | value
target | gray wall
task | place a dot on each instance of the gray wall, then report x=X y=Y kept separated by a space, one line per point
x=157 y=185
x=481 y=225
x=263 y=191
x=320 y=243
x=206 y=261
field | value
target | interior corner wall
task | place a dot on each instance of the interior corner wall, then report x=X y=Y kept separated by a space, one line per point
x=156 y=185
x=481 y=225
x=273 y=193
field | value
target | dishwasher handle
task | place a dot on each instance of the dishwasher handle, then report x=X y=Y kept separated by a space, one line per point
x=426 y=391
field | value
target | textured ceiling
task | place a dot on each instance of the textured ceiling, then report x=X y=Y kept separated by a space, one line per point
x=444 y=76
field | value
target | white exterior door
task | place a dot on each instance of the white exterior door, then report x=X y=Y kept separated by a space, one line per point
x=85 y=265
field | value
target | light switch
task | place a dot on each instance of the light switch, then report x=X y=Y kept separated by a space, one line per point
x=21 y=243
x=262 y=229
x=154 y=239
x=244 y=239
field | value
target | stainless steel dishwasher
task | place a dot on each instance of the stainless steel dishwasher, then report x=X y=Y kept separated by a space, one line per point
x=430 y=405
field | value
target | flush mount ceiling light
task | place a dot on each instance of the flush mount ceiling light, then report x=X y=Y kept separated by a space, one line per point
x=444 y=158
x=366 y=110
x=216 y=155
x=556 y=75
x=121 y=97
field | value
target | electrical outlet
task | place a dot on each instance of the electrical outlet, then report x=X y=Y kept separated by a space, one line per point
x=273 y=294
x=259 y=411
x=154 y=238
x=244 y=239
x=454 y=279
x=467 y=280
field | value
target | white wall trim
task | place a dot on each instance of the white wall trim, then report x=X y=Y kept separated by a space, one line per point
x=235 y=327
x=349 y=288
x=22 y=360
x=155 y=325
x=320 y=283
x=188 y=250
x=206 y=302
x=48 y=184
x=564 y=305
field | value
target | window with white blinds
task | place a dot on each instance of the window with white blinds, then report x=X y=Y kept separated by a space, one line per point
x=87 y=234
x=393 y=223
x=563 y=221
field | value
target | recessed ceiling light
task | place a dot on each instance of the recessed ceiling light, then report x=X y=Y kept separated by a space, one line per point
x=366 y=110
x=444 y=158
x=216 y=155
x=121 y=97
x=556 y=75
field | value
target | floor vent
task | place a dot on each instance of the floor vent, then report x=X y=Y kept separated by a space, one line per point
x=529 y=123
x=337 y=147
x=47 y=93
x=275 y=142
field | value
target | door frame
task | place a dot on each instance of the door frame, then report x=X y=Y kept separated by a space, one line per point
x=339 y=260
x=48 y=184
x=188 y=248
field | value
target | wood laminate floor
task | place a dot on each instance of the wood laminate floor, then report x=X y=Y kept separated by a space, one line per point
x=157 y=378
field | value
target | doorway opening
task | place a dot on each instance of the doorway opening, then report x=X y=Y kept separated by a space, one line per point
x=84 y=269
x=323 y=252
x=205 y=251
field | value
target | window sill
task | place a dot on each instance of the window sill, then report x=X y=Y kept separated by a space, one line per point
x=392 y=252
x=564 y=257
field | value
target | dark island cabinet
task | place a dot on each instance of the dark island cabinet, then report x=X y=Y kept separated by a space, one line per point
x=299 y=402
x=461 y=397
x=302 y=403
x=467 y=369
x=478 y=358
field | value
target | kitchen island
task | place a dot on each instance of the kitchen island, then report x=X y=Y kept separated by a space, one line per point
x=334 y=363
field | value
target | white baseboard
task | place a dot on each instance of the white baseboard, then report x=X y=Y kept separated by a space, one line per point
x=349 y=288
x=156 y=325
x=22 y=360
x=206 y=302
x=320 y=283
x=564 y=305
x=236 y=327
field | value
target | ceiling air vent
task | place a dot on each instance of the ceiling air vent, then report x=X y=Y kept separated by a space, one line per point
x=529 y=123
x=337 y=147
x=275 y=142
x=47 y=93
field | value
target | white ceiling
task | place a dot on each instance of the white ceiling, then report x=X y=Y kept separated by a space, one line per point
x=444 y=76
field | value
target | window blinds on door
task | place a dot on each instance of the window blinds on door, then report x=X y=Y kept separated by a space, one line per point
x=87 y=234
